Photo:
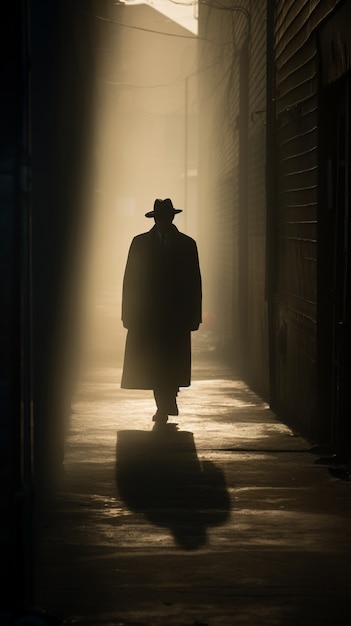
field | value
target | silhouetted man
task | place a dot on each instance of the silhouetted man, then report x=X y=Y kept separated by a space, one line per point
x=161 y=305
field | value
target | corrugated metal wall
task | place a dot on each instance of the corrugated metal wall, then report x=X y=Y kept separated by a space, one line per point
x=297 y=156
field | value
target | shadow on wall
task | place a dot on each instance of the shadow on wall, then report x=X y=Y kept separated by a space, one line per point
x=159 y=474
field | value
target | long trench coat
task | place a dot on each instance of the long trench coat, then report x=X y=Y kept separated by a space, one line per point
x=161 y=305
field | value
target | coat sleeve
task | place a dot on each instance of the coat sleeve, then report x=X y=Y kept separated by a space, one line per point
x=195 y=308
x=130 y=287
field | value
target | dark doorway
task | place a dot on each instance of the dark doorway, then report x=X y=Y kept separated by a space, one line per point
x=333 y=266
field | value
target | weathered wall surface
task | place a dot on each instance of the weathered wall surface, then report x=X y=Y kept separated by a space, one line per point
x=232 y=188
x=264 y=72
x=296 y=71
x=257 y=336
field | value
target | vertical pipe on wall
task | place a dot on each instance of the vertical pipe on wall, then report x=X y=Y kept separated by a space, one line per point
x=271 y=260
x=26 y=314
x=243 y=203
x=186 y=133
x=10 y=351
x=23 y=496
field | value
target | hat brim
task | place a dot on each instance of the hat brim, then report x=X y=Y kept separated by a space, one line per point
x=152 y=213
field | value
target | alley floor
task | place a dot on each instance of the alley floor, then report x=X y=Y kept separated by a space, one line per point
x=226 y=520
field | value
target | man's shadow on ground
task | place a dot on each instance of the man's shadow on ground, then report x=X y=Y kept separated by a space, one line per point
x=158 y=473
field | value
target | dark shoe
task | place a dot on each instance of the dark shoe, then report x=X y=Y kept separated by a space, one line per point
x=164 y=428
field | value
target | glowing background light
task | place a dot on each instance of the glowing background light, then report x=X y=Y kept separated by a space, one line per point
x=183 y=13
x=144 y=147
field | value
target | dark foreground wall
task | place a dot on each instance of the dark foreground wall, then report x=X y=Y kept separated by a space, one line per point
x=62 y=82
x=45 y=130
x=13 y=222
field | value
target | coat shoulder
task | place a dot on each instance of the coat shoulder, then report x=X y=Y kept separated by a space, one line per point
x=141 y=240
x=186 y=239
x=141 y=237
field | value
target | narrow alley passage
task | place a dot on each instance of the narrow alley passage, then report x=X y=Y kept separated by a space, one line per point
x=227 y=520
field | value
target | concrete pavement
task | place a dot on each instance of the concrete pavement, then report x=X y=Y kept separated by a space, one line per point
x=226 y=521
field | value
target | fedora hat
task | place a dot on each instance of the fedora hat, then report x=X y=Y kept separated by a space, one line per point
x=163 y=208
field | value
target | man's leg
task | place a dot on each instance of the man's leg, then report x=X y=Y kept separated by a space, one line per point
x=161 y=415
x=166 y=402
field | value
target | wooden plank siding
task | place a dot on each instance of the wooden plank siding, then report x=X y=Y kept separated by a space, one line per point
x=262 y=234
x=297 y=133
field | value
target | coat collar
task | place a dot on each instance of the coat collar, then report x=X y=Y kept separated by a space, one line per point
x=174 y=230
